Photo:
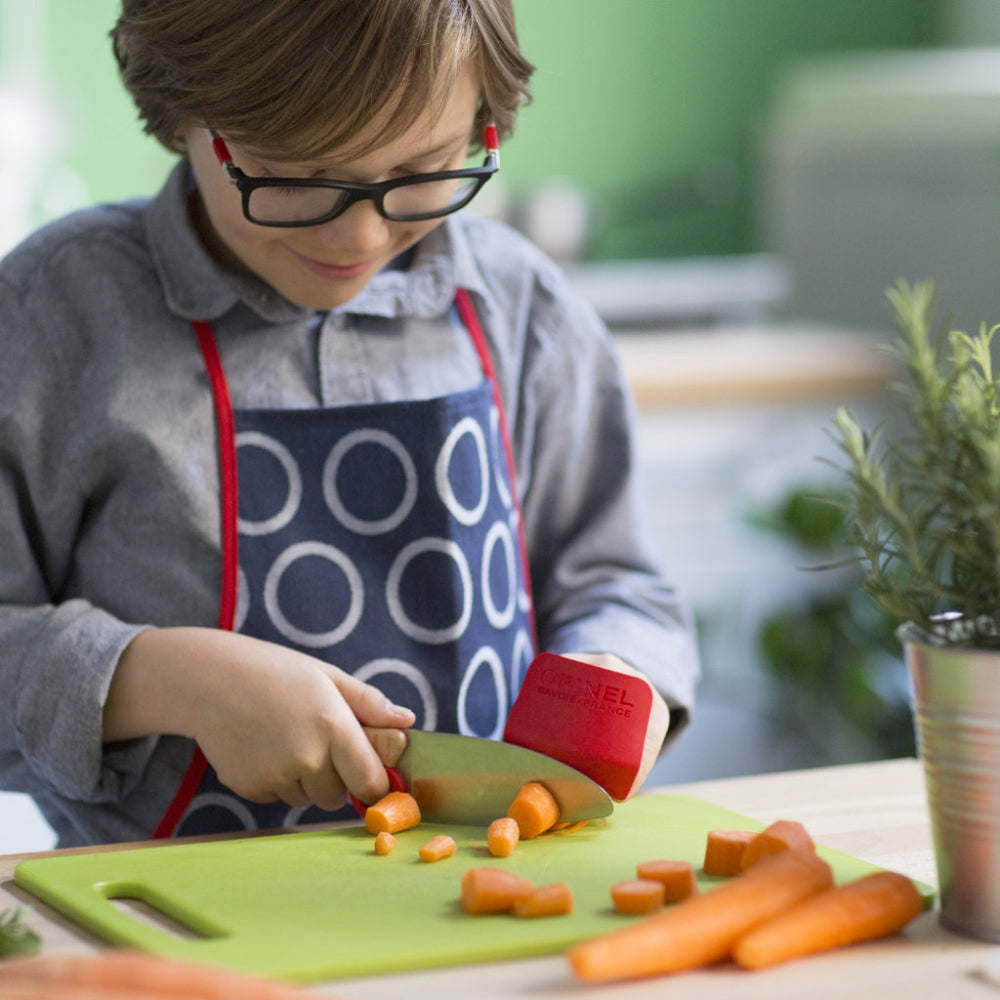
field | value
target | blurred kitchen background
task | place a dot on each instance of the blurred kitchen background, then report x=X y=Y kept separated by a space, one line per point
x=733 y=183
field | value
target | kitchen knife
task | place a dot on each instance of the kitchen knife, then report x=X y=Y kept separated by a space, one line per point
x=471 y=781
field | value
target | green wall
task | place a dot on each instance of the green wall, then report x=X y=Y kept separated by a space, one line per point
x=651 y=106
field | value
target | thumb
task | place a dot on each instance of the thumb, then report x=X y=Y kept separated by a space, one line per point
x=370 y=706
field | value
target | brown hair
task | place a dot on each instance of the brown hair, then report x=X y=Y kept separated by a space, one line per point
x=302 y=77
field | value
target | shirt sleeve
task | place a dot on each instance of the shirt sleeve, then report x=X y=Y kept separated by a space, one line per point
x=57 y=651
x=597 y=581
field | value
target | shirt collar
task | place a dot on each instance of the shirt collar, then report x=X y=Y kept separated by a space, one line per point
x=196 y=286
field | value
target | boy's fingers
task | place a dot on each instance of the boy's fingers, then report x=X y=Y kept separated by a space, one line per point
x=370 y=705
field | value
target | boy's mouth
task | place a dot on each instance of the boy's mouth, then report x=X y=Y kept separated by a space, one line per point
x=333 y=272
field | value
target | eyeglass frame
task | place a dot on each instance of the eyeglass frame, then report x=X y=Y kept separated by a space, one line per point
x=356 y=191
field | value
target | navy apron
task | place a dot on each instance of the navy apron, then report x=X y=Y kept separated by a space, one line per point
x=384 y=538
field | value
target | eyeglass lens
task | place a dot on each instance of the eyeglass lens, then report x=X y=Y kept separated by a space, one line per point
x=303 y=204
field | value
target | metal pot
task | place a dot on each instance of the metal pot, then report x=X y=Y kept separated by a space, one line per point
x=956 y=714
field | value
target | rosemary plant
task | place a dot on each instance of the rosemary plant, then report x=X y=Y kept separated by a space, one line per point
x=924 y=488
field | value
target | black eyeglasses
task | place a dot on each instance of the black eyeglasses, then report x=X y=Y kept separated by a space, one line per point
x=295 y=201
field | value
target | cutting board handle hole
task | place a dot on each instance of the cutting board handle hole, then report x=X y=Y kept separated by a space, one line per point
x=146 y=913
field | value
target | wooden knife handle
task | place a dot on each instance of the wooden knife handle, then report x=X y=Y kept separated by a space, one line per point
x=389 y=744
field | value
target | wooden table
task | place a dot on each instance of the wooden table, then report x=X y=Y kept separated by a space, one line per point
x=876 y=811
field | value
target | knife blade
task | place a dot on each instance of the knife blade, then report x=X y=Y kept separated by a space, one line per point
x=471 y=781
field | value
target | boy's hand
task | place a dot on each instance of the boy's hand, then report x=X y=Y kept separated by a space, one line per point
x=275 y=724
x=659 y=714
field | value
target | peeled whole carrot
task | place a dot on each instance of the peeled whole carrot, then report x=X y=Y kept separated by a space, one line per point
x=724 y=850
x=134 y=975
x=502 y=836
x=553 y=900
x=637 y=895
x=782 y=835
x=493 y=890
x=384 y=843
x=703 y=928
x=677 y=877
x=870 y=907
x=437 y=848
x=392 y=813
x=534 y=809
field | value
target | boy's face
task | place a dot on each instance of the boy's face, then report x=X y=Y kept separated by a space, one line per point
x=325 y=266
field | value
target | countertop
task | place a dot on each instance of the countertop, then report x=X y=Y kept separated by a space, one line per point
x=876 y=811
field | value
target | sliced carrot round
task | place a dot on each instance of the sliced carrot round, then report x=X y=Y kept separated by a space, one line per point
x=502 y=836
x=637 y=895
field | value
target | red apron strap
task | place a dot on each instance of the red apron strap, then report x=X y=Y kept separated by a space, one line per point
x=229 y=501
x=469 y=316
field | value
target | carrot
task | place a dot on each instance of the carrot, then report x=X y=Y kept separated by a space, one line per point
x=870 y=907
x=677 y=877
x=553 y=900
x=637 y=895
x=133 y=975
x=702 y=928
x=384 y=842
x=534 y=809
x=392 y=813
x=724 y=850
x=492 y=890
x=437 y=848
x=502 y=836
x=781 y=835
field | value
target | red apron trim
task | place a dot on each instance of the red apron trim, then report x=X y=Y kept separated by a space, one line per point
x=227 y=474
x=467 y=311
x=229 y=503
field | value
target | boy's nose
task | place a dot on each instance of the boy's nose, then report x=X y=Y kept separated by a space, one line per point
x=360 y=229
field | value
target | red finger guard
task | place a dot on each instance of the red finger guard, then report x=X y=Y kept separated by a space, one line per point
x=589 y=717
x=396 y=784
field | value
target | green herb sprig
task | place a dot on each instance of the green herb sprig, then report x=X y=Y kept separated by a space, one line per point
x=16 y=937
x=924 y=488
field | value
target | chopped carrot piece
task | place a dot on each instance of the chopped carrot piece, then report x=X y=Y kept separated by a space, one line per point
x=678 y=878
x=384 y=843
x=724 y=850
x=441 y=846
x=534 y=809
x=502 y=836
x=132 y=974
x=782 y=835
x=553 y=900
x=705 y=927
x=870 y=907
x=392 y=813
x=493 y=890
x=637 y=895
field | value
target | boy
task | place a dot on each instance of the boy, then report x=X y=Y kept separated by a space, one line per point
x=293 y=448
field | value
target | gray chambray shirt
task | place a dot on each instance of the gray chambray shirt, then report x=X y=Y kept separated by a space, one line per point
x=109 y=506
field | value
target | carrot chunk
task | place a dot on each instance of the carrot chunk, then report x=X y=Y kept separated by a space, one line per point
x=441 y=846
x=724 y=850
x=637 y=895
x=392 y=813
x=384 y=843
x=677 y=877
x=782 y=835
x=133 y=974
x=534 y=809
x=493 y=890
x=702 y=928
x=502 y=836
x=553 y=900
x=870 y=907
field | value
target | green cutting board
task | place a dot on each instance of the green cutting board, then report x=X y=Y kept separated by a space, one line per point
x=322 y=905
